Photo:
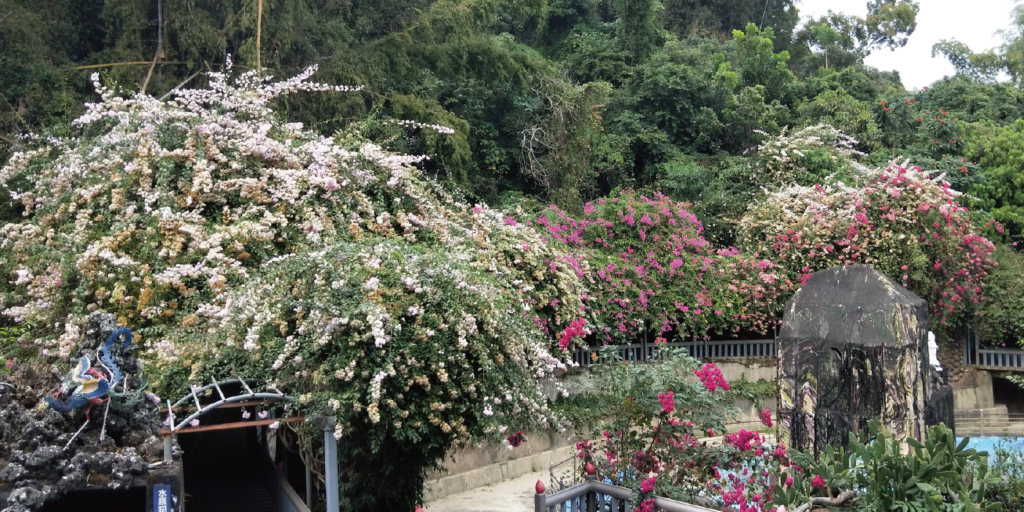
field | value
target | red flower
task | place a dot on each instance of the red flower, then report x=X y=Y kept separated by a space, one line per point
x=818 y=482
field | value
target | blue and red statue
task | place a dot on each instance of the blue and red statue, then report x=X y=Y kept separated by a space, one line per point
x=86 y=385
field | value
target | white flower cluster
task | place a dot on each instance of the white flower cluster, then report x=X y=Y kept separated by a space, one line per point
x=331 y=267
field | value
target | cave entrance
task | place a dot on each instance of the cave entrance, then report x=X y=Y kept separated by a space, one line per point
x=231 y=456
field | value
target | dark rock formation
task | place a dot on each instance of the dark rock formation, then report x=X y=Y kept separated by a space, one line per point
x=853 y=348
x=37 y=463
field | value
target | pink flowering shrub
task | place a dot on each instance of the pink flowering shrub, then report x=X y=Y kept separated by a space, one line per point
x=655 y=443
x=905 y=222
x=711 y=377
x=647 y=261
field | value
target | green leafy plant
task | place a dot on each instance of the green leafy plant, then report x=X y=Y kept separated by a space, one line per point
x=1008 y=471
x=877 y=472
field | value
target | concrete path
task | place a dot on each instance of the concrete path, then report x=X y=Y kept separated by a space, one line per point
x=513 y=495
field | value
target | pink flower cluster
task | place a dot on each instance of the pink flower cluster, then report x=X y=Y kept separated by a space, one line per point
x=711 y=376
x=651 y=268
x=741 y=440
x=668 y=401
x=889 y=219
x=575 y=330
x=766 y=418
x=515 y=440
x=647 y=485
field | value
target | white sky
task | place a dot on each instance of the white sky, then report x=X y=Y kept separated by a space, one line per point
x=972 y=22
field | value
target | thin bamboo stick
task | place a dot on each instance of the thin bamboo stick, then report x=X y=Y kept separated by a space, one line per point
x=259 y=30
x=112 y=64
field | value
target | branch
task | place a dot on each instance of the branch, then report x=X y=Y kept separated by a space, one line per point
x=838 y=500
x=182 y=84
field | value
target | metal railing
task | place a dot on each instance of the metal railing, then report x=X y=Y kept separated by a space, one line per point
x=990 y=358
x=594 y=496
x=722 y=349
x=989 y=423
x=1001 y=359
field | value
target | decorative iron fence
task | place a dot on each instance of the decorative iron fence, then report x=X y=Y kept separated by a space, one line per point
x=594 y=496
x=723 y=349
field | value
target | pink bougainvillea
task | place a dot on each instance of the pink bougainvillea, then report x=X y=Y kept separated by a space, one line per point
x=667 y=400
x=907 y=223
x=711 y=376
x=650 y=269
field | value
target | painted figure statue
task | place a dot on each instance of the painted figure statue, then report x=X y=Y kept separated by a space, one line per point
x=87 y=385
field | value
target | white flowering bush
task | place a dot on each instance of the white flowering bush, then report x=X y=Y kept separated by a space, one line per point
x=238 y=244
x=808 y=154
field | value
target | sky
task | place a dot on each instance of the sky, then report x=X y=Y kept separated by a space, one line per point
x=972 y=22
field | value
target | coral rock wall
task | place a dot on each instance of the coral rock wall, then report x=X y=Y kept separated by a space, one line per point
x=35 y=466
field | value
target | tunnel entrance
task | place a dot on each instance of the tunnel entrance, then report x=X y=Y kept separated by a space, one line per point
x=231 y=461
x=1006 y=392
x=226 y=471
x=124 y=499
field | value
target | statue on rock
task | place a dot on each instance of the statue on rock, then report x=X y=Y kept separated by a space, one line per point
x=85 y=385
x=853 y=348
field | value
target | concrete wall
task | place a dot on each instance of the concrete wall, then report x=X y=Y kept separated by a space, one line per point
x=753 y=369
x=973 y=391
x=491 y=463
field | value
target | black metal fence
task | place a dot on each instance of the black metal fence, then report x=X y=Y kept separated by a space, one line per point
x=594 y=496
x=714 y=350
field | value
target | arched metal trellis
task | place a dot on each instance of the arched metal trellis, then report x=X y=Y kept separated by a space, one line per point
x=248 y=397
x=243 y=399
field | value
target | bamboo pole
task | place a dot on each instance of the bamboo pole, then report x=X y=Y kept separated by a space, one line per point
x=112 y=64
x=259 y=29
x=159 y=44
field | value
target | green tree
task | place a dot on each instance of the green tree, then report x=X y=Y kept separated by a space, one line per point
x=757 y=62
x=999 y=152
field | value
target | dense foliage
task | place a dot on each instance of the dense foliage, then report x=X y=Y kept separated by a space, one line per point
x=238 y=244
x=873 y=473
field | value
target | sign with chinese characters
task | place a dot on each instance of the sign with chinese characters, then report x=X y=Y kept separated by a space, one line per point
x=163 y=499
